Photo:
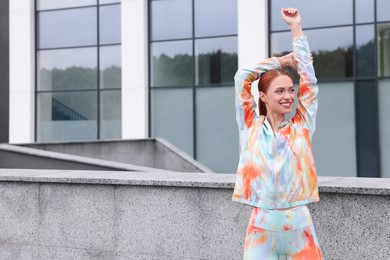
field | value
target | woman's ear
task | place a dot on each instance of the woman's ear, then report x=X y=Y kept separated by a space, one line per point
x=262 y=97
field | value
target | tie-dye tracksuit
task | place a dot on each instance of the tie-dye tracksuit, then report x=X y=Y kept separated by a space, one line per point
x=276 y=173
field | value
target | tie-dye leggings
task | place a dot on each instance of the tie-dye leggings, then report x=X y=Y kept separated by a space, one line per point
x=274 y=233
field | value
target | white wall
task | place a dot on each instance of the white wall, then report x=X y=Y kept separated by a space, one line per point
x=134 y=69
x=252 y=34
x=252 y=31
x=22 y=71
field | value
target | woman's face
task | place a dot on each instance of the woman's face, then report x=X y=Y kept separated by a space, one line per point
x=280 y=96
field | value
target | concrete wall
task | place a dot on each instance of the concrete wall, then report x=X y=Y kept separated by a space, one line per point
x=4 y=71
x=74 y=215
x=149 y=152
x=15 y=157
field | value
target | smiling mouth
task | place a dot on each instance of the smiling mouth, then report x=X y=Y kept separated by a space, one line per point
x=286 y=104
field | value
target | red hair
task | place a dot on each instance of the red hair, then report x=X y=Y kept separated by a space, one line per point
x=266 y=80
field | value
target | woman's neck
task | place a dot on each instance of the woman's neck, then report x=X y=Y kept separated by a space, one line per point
x=275 y=119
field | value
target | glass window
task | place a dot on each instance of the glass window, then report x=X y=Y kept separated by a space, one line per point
x=67 y=116
x=364 y=11
x=384 y=126
x=338 y=13
x=50 y=4
x=367 y=128
x=332 y=50
x=110 y=24
x=67 y=28
x=335 y=125
x=384 y=50
x=383 y=7
x=110 y=67
x=171 y=63
x=216 y=60
x=172 y=117
x=365 y=50
x=212 y=20
x=67 y=69
x=217 y=140
x=171 y=19
x=110 y=114
x=107 y=2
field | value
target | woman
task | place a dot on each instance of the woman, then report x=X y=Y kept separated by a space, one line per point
x=276 y=173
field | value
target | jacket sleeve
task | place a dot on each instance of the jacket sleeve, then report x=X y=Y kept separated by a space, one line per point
x=308 y=89
x=245 y=102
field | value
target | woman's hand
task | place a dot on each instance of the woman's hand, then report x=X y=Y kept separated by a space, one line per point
x=293 y=19
x=291 y=16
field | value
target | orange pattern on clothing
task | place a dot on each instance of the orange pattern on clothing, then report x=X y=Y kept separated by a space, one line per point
x=311 y=251
x=276 y=168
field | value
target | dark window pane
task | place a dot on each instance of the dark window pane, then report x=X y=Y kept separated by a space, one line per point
x=217 y=140
x=171 y=63
x=331 y=48
x=171 y=19
x=383 y=7
x=365 y=50
x=216 y=60
x=172 y=117
x=110 y=67
x=384 y=50
x=67 y=28
x=69 y=69
x=367 y=129
x=314 y=13
x=110 y=24
x=215 y=17
x=50 y=4
x=67 y=116
x=110 y=114
x=364 y=11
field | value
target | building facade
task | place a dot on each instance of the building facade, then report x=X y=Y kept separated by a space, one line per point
x=111 y=69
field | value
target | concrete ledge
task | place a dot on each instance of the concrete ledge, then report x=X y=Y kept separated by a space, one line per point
x=23 y=157
x=63 y=214
x=348 y=185
x=149 y=152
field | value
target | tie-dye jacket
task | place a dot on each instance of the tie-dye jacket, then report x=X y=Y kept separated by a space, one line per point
x=276 y=170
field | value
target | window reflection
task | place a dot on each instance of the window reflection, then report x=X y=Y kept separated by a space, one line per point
x=212 y=20
x=110 y=67
x=67 y=28
x=383 y=7
x=332 y=50
x=171 y=19
x=364 y=11
x=384 y=50
x=172 y=117
x=67 y=116
x=107 y=2
x=313 y=12
x=212 y=135
x=110 y=24
x=68 y=69
x=384 y=126
x=171 y=63
x=216 y=60
x=50 y=4
x=110 y=114
x=335 y=125
x=365 y=50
